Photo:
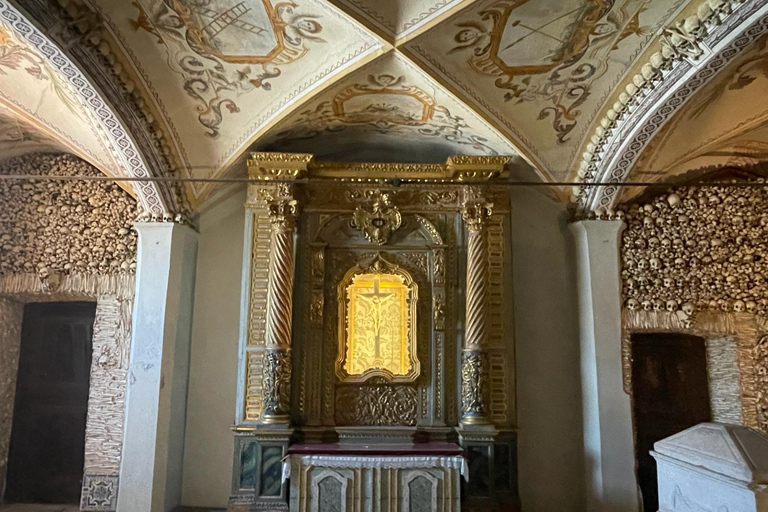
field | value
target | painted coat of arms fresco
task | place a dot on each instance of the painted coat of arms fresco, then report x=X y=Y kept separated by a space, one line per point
x=225 y=48
x=389 y=105
x=548 y=51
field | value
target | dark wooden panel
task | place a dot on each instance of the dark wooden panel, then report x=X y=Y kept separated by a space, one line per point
x=670 y=394
x=45 y=460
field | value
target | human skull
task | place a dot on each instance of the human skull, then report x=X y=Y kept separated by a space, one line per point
x=668 y=282
x=633 y=305
x=653 y=242
x=688 y=308
x=739 y=306
x=655 y=263
x=671 y=306
x=679 y=263
x=647 y=222
x=647 y=306
x=665 y=243
x=658 y=305
x=631 y=283
x=642 y=264
x=673 y=200
x=750 y=306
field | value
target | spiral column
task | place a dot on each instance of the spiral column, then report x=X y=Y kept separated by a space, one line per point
x=279 y=318
x=474 y=361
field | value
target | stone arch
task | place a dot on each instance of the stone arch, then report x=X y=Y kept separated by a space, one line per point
x=663 y=86
x=154 y=198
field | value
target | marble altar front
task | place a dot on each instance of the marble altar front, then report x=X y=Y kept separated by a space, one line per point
x=383 y=477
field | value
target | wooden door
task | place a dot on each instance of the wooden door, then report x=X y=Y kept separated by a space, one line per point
x=45 y=460
x=670 y=394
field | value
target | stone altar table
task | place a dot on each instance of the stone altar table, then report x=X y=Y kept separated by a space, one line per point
x=378 y=477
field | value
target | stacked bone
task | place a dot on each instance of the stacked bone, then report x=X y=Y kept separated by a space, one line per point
x=64 y=227
x=698 y=249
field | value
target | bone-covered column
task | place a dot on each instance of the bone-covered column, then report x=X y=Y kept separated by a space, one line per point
x=277 y=357
x=474 y=361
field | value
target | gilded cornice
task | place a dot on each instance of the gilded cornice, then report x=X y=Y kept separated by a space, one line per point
x=457 y=169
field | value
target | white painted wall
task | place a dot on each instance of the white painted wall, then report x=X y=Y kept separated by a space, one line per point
x=208 y=448
x=549 y=403
x=550 y=453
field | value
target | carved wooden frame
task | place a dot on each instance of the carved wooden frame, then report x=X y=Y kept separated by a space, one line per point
x=378 y=265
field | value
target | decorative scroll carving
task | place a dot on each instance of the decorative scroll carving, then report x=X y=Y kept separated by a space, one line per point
x=378 y=219
x=438 y=311
x=318 y=264
x=474 y=387
x=377 y=404
x=438 y=266
x=420 y=260
x=413 y=198
x=277 y=386
x=377 y=327
x=316 y=309
x=430 y=228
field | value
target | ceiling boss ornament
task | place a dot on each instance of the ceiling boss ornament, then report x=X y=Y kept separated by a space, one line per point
x=379 y=219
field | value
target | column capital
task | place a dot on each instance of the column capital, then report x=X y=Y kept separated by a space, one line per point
x=475 y=208
x=283 y=212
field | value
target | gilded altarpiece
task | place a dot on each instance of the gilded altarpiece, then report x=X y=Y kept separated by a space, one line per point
x=397 y=252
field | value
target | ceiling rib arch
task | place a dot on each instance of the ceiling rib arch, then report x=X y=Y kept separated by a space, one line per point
x=422 y=79
x=665 y=83
x=102 y=119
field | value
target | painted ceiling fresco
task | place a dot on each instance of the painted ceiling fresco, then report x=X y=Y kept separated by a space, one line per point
x=221 y=70
x=542 y=69
x=388 y=80
x=390 y=100
x=724 y=124
x=41 y=110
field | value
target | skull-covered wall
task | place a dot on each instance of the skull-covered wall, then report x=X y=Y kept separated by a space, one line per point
x=64 y=226
x=695 y=260
x=64 y=241
x=698 y=249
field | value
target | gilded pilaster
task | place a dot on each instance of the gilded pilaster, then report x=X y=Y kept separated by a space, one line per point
x=277 y=357
x=476 y=212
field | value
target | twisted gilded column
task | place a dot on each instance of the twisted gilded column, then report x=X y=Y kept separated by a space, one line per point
x=475 y=389
x=277 y=357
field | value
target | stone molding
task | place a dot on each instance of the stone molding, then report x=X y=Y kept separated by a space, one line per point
x=692 y=52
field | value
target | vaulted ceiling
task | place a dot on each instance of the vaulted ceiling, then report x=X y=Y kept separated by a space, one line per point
x=392 y=80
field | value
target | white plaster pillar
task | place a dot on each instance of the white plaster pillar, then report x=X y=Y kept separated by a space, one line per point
x=611 y=484
x=156 y=399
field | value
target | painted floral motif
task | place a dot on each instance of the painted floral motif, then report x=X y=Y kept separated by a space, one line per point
x=387 y=105
x=540 y=53
x=223 y=49
x=15 y=56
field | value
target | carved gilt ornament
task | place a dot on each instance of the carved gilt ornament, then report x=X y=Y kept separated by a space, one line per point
x=378 y=219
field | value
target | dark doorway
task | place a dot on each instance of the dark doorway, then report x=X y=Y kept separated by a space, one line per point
x=45 y=460
x=670 y=393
